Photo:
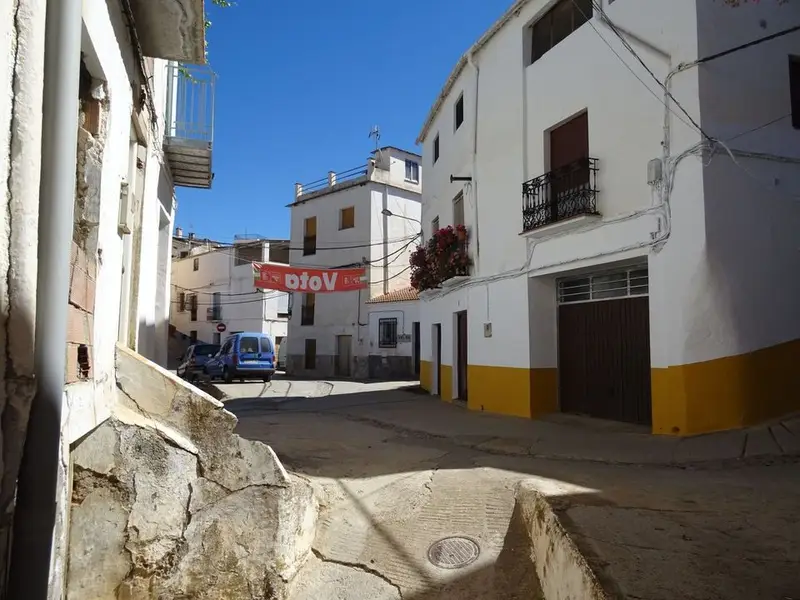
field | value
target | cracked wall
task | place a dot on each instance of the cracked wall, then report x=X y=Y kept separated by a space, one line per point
x=22 y=29
x=168 y=502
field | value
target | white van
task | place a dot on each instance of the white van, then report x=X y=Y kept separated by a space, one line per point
x=282 y=354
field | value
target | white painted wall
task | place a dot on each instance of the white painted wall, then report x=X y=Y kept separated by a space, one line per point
x=406 y=314
x=243 y=307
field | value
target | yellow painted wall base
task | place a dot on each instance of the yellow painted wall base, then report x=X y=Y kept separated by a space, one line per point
x=446 y=383
x=544 y=391
x=425 y=375
x=512 y=391
x=727 y=393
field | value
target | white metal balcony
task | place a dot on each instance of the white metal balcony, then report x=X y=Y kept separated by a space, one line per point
x=189 y=117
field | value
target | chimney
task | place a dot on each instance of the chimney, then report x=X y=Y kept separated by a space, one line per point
x=331 y=178
x=178 y=232
x=298 y=190
x=191 y=235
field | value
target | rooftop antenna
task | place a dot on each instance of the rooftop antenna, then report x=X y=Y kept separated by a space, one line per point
x=375 y=132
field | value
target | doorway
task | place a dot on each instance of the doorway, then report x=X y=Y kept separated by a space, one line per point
x=461 y=355
x=344 y=355
x=437 y=359
x=415 y=345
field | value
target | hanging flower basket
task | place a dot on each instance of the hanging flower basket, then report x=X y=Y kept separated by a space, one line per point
x=443 y=257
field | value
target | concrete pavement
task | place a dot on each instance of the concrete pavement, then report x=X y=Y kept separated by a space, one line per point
x=396 y=471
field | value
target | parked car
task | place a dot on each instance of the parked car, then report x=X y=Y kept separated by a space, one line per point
x=282 y=350
x=194 y=359
x=243 y=356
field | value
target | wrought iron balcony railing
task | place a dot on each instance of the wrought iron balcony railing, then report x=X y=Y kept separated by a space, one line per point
x=561 y=194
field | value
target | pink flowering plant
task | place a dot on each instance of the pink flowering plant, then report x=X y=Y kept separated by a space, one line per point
x=444 y=256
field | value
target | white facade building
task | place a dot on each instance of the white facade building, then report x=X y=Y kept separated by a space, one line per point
x=213 y=294
x=368 y=216
x=624 y=266
x=394 y=339
x=118 y=264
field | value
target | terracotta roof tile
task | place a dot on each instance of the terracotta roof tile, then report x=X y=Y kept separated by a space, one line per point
x=405 y=294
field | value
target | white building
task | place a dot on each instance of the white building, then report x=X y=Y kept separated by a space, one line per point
x=112 y=200
x=624 y=266
x=368 y=216
x=394 y=340
x=213 y=294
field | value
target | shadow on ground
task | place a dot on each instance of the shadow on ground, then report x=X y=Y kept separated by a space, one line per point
x=720 y=531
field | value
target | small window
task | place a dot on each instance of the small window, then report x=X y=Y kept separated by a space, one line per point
x=387 y=333
x=458 y=209
x=307 y=312
x=347 y=218
x=434 y=226
x=196 y=264
x=193 y=336
x=310 y=236
x=436 y=149
x=217 y=338
x=794 y=89
x=193 y=307
x=184 y=253
x=310 y=358
x=249 y=345
x=412 y=171
x=459 y=112
x=557 y=24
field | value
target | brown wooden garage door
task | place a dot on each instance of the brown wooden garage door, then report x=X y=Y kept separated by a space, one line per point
x=604 y=347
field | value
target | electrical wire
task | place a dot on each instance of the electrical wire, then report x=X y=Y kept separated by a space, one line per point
x=627 y=66
x=760 y=127
x=635 y=54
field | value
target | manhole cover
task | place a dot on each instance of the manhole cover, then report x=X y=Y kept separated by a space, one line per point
x=453 y=552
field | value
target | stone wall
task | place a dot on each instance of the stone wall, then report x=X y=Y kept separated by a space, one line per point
x=168 y=503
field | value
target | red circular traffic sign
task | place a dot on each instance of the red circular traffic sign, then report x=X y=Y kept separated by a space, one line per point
x=221 y=327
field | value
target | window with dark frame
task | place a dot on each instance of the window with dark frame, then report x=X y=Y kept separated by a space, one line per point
x=387 y=333
x=193 y=307
x=182 y=302
x=434 y=225
x=310 y=236
x=794 y=89
x=557 y=24
x=307 y=312
x=412 y=171
x=196 y=264
x=458 y=210
x=459 y=111
x=347 y=218
x=436 y=149
x=310 y=356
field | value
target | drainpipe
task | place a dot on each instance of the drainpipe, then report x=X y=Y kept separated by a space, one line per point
x=474 y=65
x=34 y=520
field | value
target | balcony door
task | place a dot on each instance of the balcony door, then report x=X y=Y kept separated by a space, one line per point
x=569 y=147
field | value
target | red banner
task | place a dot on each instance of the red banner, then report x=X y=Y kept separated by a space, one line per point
x=300 y=279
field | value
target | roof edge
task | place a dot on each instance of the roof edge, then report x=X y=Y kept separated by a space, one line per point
x=462 y=62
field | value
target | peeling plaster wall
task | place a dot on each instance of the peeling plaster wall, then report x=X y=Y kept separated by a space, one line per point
x=22 y=29
x=168 y=503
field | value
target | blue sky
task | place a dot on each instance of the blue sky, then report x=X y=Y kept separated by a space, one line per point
x=299 y=86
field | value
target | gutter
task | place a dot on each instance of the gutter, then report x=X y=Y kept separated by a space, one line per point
x=474 y=65
x=34 y=522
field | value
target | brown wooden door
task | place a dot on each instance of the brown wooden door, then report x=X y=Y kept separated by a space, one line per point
x=344 y=352
x=462 y=355
x=604 y=359
x=569 y=143
x=437 y=348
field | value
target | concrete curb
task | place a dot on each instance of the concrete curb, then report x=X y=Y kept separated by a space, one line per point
x=564 y=573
